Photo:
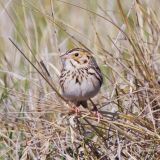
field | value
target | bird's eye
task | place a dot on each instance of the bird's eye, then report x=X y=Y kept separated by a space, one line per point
x=76 y=54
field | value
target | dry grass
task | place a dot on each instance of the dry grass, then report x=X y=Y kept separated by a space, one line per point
x=35 y=120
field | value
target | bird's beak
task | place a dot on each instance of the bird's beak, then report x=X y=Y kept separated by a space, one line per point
x=64 y=56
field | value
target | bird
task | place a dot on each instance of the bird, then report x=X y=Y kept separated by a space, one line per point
x=81 y=77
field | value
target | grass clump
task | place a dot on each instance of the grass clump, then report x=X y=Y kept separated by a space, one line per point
x=35 y=120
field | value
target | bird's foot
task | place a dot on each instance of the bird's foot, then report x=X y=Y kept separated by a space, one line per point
x=75 y=110
x=97 y=114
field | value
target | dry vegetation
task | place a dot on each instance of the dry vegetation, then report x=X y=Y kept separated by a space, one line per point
x=36 y=123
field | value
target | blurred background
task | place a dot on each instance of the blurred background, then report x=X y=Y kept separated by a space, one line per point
x=124 y=38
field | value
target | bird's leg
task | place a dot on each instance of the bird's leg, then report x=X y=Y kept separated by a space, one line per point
x=95 y=111
x=74 y=108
